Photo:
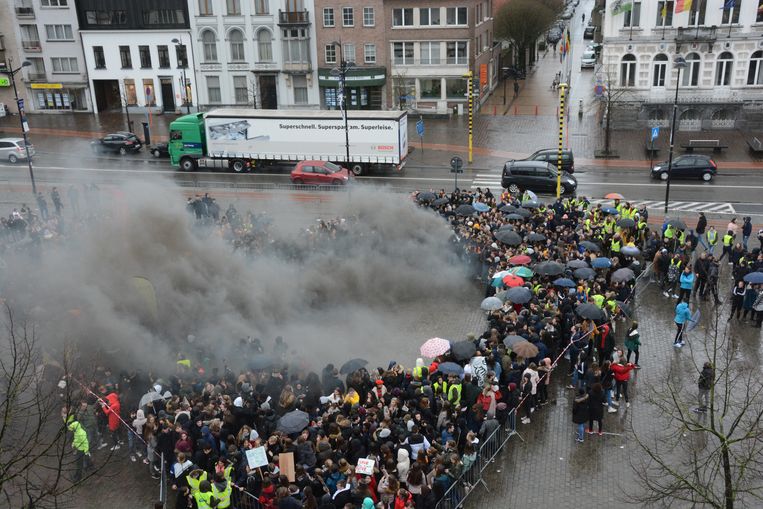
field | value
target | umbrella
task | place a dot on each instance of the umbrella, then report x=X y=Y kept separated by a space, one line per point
x=531 y=204
x=626 y=222
x=549 y=268
x=508 y=237
x=577 y=264
x=152 y=396
x=584 y=273
x=480 y=207
x=519 y=295
x=523 y=212
x=506 y=227
x=508 y=209
x=465 y=210
x=676 y=223
x=630 y=251
x=353 y=365
x=625 y=308
x=589 y=311
x=601 y=263
x=434 y=347
x=260 y=362
x=522 y=272
x=589 y=246
x=520 y=260
x=450 y=368
x=293 y=422
x=463 y=350
x=694 y=321
x=610 y=210
x=614 y=196
x=491 y=304
x=426 y=197
x=532 y=196
x=564 y=282
x=515 y=217
x=439 y=202
x=755 y=278
x=536 y=237
x=525 y=349
x=512 y=340
x=623 y=274
x=510 y=280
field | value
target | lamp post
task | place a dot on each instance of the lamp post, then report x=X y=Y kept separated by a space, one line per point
x=7 y=68
x=678 y=63
x=341 y=72
x=178 y=44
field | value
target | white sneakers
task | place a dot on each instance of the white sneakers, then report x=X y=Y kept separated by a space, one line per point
x=612 y=410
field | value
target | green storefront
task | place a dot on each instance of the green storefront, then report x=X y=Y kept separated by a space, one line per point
x=365 y=88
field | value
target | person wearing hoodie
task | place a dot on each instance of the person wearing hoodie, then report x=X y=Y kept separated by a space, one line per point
x=368 y=503
x=622 y=372
x=682 y=318
x=632 y=343
x=686 y=282
x=80 y=445
x=111 y=408
x=580 y=413
x=737 y=300
x=136 y=432
x=222 y=489
x=403 y=464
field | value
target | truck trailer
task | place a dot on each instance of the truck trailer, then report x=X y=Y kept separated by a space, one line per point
x=242 y=140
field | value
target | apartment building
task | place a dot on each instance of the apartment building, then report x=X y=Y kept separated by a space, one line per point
x=721 y=86
x=9 y=50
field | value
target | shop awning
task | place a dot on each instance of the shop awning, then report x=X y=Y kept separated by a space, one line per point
x=356 y=77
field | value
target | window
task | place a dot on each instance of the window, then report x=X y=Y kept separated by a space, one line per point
x=456 y=16
x=455 y=88
x=145 y=57
x=124 y=55
x=429 y=16
x=164 y=56
x=429 y=53
x=402 y=53
x=328 y=17
x=163 y=17
x=148 y=89
x=106 y=17
x=478 y=13
x=261 y=7
x=264 y=46
x=697 y=13
x=348 y=52
x=330 y=53
x=633 y=16
x=369 y=17
x=181 y=53
x=234 y=7
x=213 y=89
x=30 y=39
x=402 y=17
x=731 y=10
x=65 y=64
x=430 y=89
x=59 y=32
x=723 y=68
x=759 y=17
x=691 y=71
x=660 y=70
x=296 y=46
x=54 y=3
x=348 y=16
x=98 y=57
x=210 y=46
x=628 y=71
x=130 y=95
x=205 y=7
x=236 y=39
x=755 y=71
x=299 y=82
x=240 y=90
x=369 y=53
x=457 y=52
x=667 y=10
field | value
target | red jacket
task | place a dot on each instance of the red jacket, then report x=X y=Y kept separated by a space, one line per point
x=400 y=502
x=111 y=409
x=485 y=400
x=622 y=372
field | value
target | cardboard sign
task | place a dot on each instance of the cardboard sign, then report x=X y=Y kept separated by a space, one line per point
x=257 y=457
x=365 y=466
x=286 y=465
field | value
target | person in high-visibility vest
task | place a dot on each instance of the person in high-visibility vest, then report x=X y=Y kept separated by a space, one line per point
x=222 y=489
x=454 y=392
x=204 y=498
x=80 y=445
x=728 y=243
x=194 y=479
x=712 y=239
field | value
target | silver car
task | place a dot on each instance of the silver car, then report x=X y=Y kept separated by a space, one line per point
x=588 y=60
x=13 y=150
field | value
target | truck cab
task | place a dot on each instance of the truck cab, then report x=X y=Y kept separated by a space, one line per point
x=187 y=141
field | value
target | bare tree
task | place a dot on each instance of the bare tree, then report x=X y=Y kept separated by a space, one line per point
x=713 y=458
x=612 y=97
x=522 y=22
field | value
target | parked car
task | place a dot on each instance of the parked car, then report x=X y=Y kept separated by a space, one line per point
x=688 y=166
x=13 y=150
x=535 y=176
x=589 y=32
x=588 y=60
x=319 y=173
x=159 y=150
x=551 y=155
x=120 y=143
x=595 y=47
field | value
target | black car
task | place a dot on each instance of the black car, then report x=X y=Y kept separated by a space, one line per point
x=120 y=143
x=535 y=176
x=688 y=166
x=589 y=32
x=551 y=155
x=159 y=150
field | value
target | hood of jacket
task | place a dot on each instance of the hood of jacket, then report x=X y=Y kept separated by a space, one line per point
x=682 y=307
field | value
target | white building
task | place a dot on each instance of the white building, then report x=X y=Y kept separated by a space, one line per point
x=47 y=32
x=722 y=42
x=259 y=53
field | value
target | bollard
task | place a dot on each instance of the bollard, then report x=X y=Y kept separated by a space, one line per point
x=495 y=110
x=536 y=110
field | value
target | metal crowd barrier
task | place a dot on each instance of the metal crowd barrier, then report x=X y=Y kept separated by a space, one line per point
x=163 y=483
x=244 y=500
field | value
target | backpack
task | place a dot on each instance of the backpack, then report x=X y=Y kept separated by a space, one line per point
x=673 y=271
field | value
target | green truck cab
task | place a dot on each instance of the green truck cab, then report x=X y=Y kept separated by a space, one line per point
x=187 y=141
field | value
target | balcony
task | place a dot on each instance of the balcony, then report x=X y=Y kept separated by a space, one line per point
x=37 y=76
x=293 y=17
x=695 y=35
x=31 y=46
x=24 y=12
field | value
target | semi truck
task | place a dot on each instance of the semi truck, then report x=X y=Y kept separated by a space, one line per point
x=242 y=140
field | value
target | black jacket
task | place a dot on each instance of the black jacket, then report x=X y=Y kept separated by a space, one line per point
x=701 y=225
x=595 y=405
x=706 y=379
x=580 y=410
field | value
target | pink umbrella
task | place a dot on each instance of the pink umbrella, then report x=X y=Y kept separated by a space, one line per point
x=434 y=347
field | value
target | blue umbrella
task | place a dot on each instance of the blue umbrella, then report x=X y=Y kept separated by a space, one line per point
x=630 y=251
x=450 y=368
x=610 y=210
x=480 y=207
x=564 y=282
x=601 y=263
x=755 y=278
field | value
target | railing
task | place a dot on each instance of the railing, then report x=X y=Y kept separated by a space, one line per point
x=293 y=17
x=31 y=45
x=24 y=11
x=163 y=483
x=692 y=34
x=244 y=500
x=37 y=76
x=401 y=61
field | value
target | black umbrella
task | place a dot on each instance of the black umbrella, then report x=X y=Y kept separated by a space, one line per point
x=514 y=217
x=465 y=210
x=463 y=350
x=531 y=204
x=577 y=264
x=536 y=237
x=549 y=268
x=439 y=202
x=426 y=197
x=677 y=223
x=590 y=246
x=450 y=368
x=505 y=227
x=626 y=222
x=523 y=212
x=589 y=311
x=623 y=274
x=508 y=209
x=625 y=308
x=508 y=237
x=293 y=422
x=512 y=340
x=585 y=273
x=353 y=365
x=519 y=295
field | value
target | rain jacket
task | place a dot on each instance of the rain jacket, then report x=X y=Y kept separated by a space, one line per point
x=112 y=409
x=687 y=280
x=80 y=436
x=683 y=313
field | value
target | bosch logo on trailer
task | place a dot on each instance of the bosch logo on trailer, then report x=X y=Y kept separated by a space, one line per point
x=385 y=147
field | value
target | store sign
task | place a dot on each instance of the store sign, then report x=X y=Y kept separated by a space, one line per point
x=5 y=81
x=47 y=85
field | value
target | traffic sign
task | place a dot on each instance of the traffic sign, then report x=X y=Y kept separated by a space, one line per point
x=20 y=103
x=456 y=163
x=420 y=128
x=655 y=133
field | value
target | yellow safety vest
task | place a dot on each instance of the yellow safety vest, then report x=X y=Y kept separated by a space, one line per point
x=675 y=263
x=728 y=240
x=609 y=226
x=598 y=300
x=454 y=394
x=223 y=496
x=203 y=500
x=437 y=386
x=418 y=372
x=669 y=233
x=193 y=484
x=712 y=237
x=682 y=237
x=614 y=246
x=641 y=225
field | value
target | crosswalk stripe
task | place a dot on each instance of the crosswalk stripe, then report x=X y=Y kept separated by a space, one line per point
x=686 y=205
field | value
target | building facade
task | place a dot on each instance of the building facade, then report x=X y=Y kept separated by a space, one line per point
x=137 y=54
x=48 y=37
x=257 y=53
x=721 y=86
x=9 y=54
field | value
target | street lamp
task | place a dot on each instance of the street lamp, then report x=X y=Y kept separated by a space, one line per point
x=341 y=72
x=178 y=44
x=678 y=63
x=7 y=68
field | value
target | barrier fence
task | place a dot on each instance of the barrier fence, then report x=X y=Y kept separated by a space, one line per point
x=162 y=482
x=244 y=500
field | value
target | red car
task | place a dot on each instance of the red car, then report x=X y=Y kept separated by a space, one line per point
x=319 y=173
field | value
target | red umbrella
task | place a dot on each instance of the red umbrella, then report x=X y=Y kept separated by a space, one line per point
x=614 y=196
x=519 y=260
x=511 y=281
